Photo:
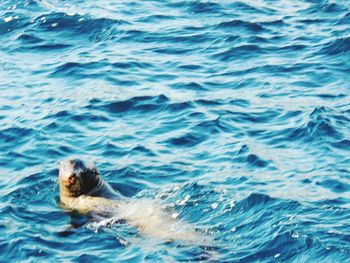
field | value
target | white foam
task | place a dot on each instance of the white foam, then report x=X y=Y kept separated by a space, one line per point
x=8 y=19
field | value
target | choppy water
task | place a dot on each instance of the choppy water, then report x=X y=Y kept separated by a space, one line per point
x=235 y=112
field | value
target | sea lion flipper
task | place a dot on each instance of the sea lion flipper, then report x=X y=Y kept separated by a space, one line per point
x=70 y=230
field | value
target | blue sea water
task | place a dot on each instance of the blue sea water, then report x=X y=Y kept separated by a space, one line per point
x=236 y=113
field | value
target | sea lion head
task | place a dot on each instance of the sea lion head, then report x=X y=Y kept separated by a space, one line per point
x=77 y=178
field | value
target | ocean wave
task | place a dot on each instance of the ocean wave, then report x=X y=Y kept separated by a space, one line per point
x=135 y=104
x=238 y=24
x=320 y=126
x=76 y=69
x=234 y=115
x=12 y=22
x=336 y=47
x=240 y=51
x=96 y=29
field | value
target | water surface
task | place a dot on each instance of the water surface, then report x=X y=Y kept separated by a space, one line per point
x=236 y=113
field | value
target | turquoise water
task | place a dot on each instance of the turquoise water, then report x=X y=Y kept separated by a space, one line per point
x=236 y=113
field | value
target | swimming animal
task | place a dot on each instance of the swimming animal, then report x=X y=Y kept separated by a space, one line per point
x=82 y=189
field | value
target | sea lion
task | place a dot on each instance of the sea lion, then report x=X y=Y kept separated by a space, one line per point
x=79 y=178
x=82 y=189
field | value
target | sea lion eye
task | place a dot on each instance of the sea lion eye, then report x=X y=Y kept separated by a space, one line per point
x=94 y=171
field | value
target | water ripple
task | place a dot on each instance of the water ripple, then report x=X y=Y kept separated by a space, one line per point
x=234 y=114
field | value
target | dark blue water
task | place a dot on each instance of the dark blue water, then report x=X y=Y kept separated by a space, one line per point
x=237 y=113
